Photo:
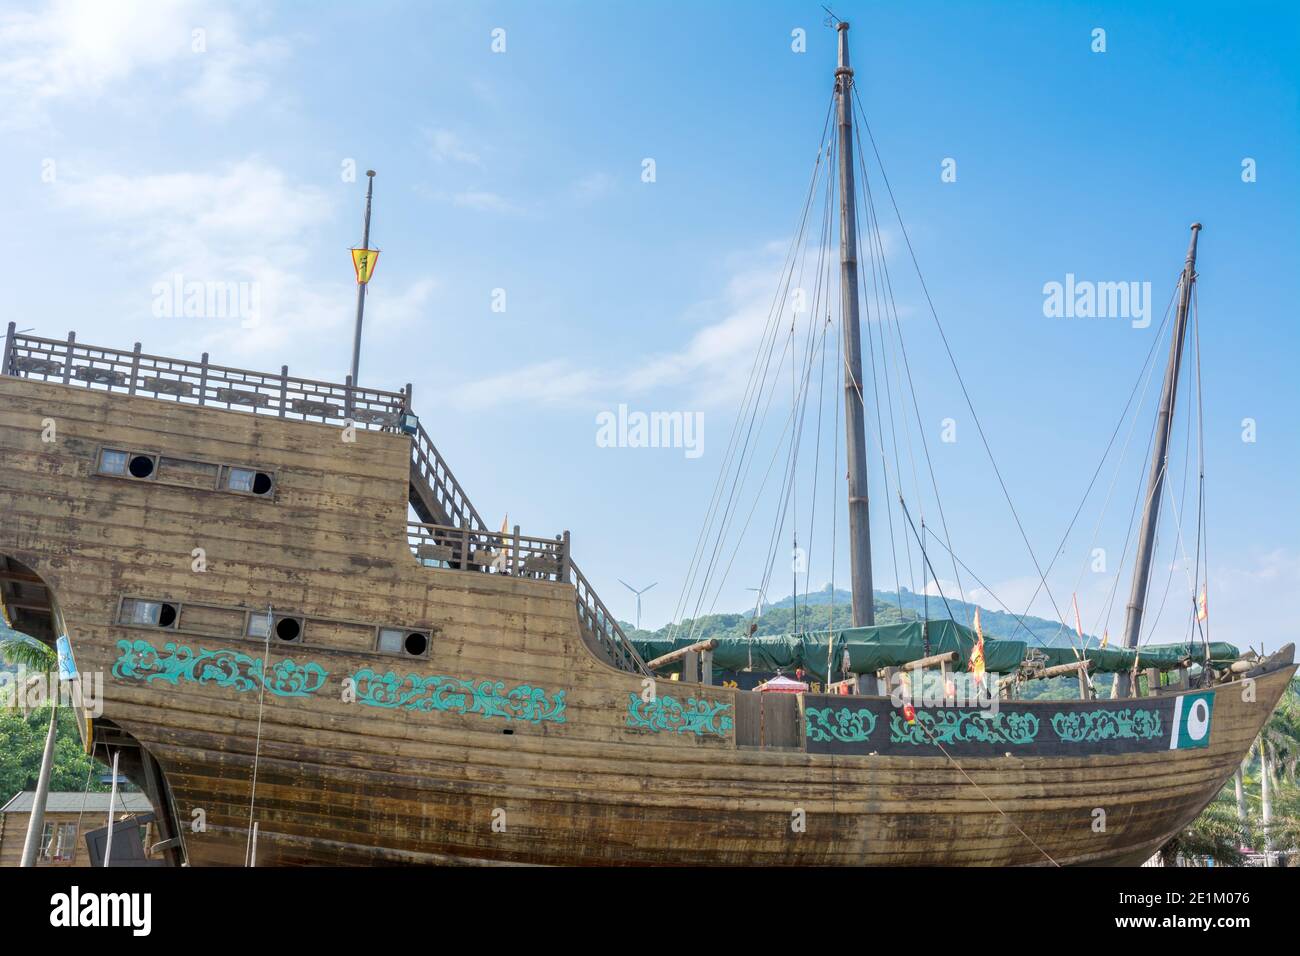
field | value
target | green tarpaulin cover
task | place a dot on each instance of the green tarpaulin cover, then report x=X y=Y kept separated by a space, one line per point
x=893 y=645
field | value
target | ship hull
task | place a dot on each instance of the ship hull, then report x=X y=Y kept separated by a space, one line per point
x=510 y=742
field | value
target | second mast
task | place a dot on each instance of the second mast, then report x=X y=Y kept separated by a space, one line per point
x=864 y=613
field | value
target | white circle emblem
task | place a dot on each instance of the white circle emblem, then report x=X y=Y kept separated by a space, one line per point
x=1198 y=720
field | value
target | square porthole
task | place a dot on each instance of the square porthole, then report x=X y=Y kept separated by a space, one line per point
x=247 y=481
x=120 y=463
x=141 y=613
x=284 y=628
x=112 y=461
x=404 y=641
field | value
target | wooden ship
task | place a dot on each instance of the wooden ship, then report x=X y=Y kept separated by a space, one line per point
x=296 y=672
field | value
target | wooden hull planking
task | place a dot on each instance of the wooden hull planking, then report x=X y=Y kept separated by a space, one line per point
x=470 y=775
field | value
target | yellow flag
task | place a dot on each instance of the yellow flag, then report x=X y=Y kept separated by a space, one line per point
x=1202 y=606
x=364 y=261
x=1105 y=638
x=977 y=654
x=1078 y=625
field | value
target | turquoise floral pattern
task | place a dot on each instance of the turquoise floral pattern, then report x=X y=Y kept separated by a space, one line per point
x=697 y=716
x=828 y=723
x=963 y=726
x=140 y=661
x=454 y=695
x=1077 y=726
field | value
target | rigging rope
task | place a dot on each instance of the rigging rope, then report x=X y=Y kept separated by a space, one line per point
x=752 y=384
x=257 y=746
x=960 y=380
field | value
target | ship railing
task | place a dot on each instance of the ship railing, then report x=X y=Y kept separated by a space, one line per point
x=468 y=549
x=202 y=383
x=602 y=629
x=546 y=559
x=430 y=469
x=136 y=372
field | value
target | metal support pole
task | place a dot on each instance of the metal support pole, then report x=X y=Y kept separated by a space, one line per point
x=361 y=286
x=36 y=821
x=112 y=799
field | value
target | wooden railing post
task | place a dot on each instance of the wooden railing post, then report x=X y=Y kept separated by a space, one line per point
x=135 y=368
x=565 y=564
x=284 y=389
x=67 y=359
x=203 y=380
x=6 y=360
x=347 y=398
x=516 y=564
x=409 y=405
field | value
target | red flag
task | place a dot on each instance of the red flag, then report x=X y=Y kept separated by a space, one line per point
x=909 y=713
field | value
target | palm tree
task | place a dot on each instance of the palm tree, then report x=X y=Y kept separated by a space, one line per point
x=1239 y=788
x=1217 y=834
x=31 y=654
x=1277 y=746
x=1283 y=832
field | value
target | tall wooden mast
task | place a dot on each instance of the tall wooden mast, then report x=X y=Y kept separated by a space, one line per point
x=854 y=395
x=1160 y=451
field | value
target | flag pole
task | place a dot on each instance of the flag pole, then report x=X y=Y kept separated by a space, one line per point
x=361 y=286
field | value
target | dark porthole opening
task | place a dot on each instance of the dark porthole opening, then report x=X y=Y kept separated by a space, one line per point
x=416 y=644
x=261 y=483
x=141 y=466
x=166 y=615
x=508 y=732
x=288 y=629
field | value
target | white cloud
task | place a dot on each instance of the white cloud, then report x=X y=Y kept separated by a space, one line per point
x=478 y=200
x=446 y=146
x=483 y=200
x=553 y=382
x=244 y=223
x=82 y=50
x=232 y=75
x=1249 y=601
x=711 y=368
x=593 y=186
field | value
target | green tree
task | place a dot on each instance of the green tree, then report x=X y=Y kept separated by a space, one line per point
x=22 y=650
x=1216 y=834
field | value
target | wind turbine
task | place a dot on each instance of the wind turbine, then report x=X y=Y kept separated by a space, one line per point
x=638 y=598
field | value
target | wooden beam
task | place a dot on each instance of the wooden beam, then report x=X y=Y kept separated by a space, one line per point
x=681 y=652
x=22 y=577
x=1059 y=670
x=934 y=660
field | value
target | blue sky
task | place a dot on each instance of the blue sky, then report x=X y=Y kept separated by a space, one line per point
x=137 y=149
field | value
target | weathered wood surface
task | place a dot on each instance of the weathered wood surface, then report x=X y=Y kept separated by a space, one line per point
x=13 y=833
x=343 y=782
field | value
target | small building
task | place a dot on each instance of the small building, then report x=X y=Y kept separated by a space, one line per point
x=68 y=815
